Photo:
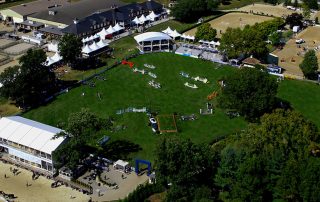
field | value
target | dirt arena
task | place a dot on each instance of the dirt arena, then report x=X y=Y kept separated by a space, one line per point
x=277 y=11
x=18 y=48
x=5 y=42
x=291 y=55
x=232 y=20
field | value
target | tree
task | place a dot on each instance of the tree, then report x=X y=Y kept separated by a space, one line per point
x=306 y=12
x=309 y=65
x=273 y=165
x=295 y=3
x=312 y=4
x=250 y=91
x=192 y=10
x=31 y=83
x=187 y=167
x=205 y=32
x=294 y=19
x=275 y=38
x=70 y=48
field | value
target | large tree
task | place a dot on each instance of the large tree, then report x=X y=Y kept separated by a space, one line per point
x=295 y=19
x=309 y=65
x=271 y=161
x=187 y=167
x=312 y=4
x=205 y=32
x=70 y=48
x=30 y=83
x=251 y=92
x=191 y=10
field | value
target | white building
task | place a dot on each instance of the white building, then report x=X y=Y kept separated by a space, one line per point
x=153 y=42
x=29 y=143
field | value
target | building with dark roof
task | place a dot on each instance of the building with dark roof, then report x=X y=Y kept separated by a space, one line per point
x=20 y=13
x=122 y=15
x=64 y=16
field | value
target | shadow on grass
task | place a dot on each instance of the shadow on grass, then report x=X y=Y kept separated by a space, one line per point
x=120 y=149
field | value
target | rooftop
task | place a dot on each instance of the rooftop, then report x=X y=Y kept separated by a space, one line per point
x=30 y=133
x=79 y=10
x=37 y=6
x=151 y=36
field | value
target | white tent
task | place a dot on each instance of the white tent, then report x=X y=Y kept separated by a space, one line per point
x=49 y=62
x=136 y=21
x=91 y=38
x=152 y=16
x=83 y=40
x=94 y=46
x=167 y=31
x=110 y=30
x=56 y=57
x=102 y=44
x=117 y=27
x=103 y=33
x=86 y=49
x=143 y=19
x=52 y=47
x=175 y=34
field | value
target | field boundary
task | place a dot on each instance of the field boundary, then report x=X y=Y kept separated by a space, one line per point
x=174 y=123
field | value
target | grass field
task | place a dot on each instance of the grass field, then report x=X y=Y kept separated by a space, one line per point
x=124 y=88
x=232 y=20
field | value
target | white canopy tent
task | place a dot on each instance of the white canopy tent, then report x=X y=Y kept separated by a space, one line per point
x=86 y=49
x=151 y=36
x=94 y=46
x=110 y=30
x=174 y=34
x=103 y=33
x=143 y=19
x=121 y=165
x=136 y=21
x=167 y=31
x=152 y=16
x=49 y=62
x=102 y=44
x=118 y=28
x=53 y=47
x=57 y=57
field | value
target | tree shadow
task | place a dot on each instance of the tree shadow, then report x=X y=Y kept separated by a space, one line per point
x=120 y=149
x=282 y=104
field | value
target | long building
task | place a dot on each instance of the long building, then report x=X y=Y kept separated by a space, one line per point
x=29 y=143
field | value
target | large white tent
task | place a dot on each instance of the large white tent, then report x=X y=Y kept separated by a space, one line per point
x=143 y=19
x=103 y=33
x=102 y=44
x=167 y=31
x=151 y=36
x=86 y=49
x=110 y=30
x=94 y=46
x=118 y=28
x=53 y=47
x=152 y=16
x=174 y=34
x=136 y=21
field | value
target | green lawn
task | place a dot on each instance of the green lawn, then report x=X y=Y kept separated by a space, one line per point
x=124 y=88
x=173 y=24
x=234 y=4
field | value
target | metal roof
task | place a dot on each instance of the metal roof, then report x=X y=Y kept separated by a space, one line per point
x=30 y=133
x=152 y=36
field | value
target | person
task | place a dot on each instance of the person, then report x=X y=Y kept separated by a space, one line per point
x=5 y=176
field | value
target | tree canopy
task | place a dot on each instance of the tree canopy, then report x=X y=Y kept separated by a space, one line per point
x=70 y=48
x=271 y=161
x=312 y=4
x=192 y=10
x=205 y=32
x=251 y=92
x=30 y=83
x=295 y=19
x=250 y=40
x=309 y=65
x=188 y=167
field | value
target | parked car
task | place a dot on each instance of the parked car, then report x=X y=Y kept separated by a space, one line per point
x=154 y=124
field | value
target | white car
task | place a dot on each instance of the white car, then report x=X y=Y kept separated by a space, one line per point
x=299 y=41
x=153 y=120
x=154 y=125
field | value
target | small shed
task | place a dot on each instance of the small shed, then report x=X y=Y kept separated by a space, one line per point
x=121 y=165
x=250 y=62
x=296 y=29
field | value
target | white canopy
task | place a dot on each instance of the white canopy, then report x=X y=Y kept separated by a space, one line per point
x=103 y=33
x=151 y=36
x=167 y=31
x=102 y=44
x=94 y=46
x=152 y=16
x=117 y=27
x=56 y=57
x=110 y=30
x=143 y=19
x=91 y=38
x=30 y=133
x=53 y=47
x=49 y=62
x=86 y=49
x=121 y=163
x=136 y=21
x=175 y=34
x=83 y=40
x=183 y=36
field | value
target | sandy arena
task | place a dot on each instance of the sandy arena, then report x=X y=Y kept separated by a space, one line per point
x=291 y=55
x=233 y=20
x=19 y=48
x=39 y=190
x=276 y=11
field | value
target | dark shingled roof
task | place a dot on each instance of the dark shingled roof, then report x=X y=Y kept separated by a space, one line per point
x=38 y=6
x=79 y=10
x=118 y=14
x=52 y=30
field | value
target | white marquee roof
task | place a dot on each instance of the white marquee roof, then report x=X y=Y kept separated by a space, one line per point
x=111 y=30
x=151 y=36
x=117 y=27
x=86 y=49
x=30 y=133
x=102 y=44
